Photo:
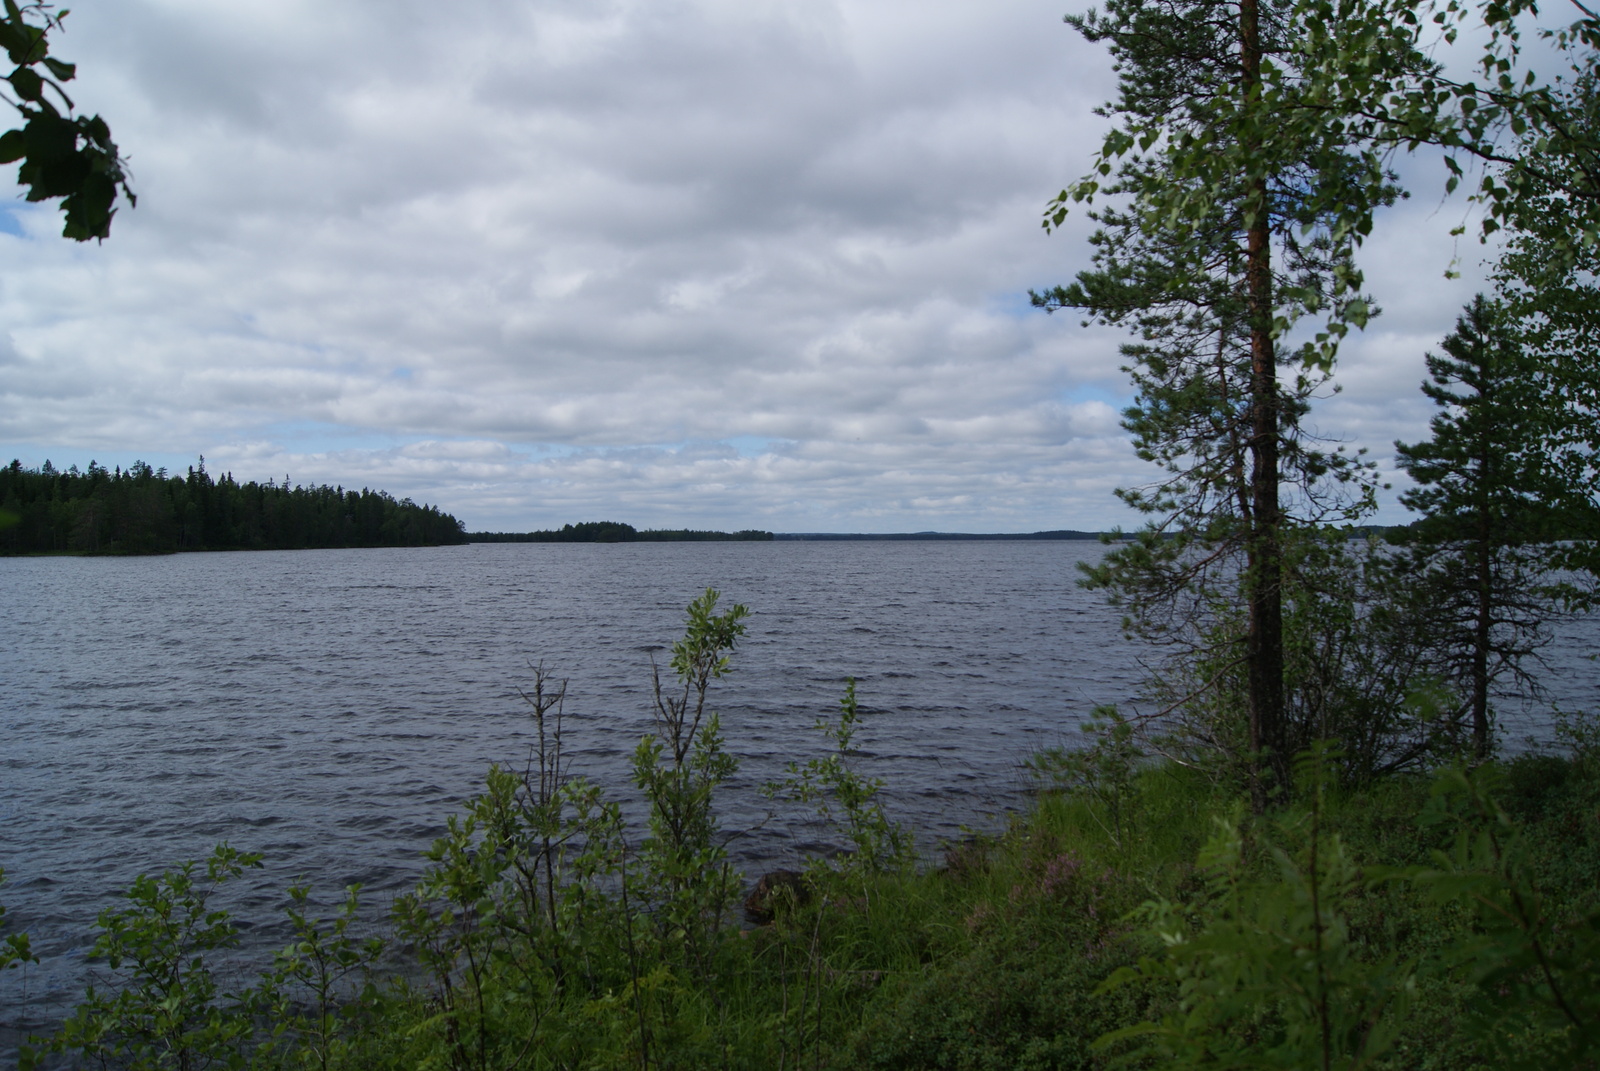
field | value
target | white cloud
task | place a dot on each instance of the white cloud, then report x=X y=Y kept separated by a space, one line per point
x=542 y=262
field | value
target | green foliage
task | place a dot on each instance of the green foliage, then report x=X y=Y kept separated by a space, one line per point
x=522 y=922
x=140 y=510
x=1579 y=734
x=847 y=799
x=450 y=921
x=1013 y=937
x=169 y=1011
x=686 y=872
x=1238 y=202
x=1250 y=157
x=1359 y=649
x=1480 y=558
x=1102 y=774
x=1530 y=132
x=59 y=155
x=1287 y=952
x=1224 y=129
x=15 y=949
x=1004 y=1005
x=321 y=990
x=1266 y=968
x=1535 y=962
x=1360 y=655
x=1277 y=950
x=1352 y=74
x=1546 y=281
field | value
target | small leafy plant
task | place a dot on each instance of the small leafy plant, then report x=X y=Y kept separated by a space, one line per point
x=1102 y=774
x=169 y=1010
x=15 y=951
x=846 y=798
x=321 y=986
x=679 y=768
x=1263 y=962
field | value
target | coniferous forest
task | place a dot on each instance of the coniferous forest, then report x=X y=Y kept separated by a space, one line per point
x=141 y=510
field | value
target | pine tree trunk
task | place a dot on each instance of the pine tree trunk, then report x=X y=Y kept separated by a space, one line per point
x=1264 y=652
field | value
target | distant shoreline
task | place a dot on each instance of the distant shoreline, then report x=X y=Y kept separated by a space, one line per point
x=939 y=536
x=610 y=532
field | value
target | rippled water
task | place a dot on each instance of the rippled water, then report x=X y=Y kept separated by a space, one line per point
x=329 y=708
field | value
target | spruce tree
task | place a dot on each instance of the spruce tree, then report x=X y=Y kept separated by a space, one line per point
x=1491 y=505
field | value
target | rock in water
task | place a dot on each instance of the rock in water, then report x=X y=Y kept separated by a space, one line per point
x=777 y=891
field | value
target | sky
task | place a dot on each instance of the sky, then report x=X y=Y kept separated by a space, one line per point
x=679 y=263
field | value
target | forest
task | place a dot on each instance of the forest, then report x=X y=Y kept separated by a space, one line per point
x=140 y=510
x=1310 y=849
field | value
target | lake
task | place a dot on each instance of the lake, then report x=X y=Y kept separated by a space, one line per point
x=330 y=708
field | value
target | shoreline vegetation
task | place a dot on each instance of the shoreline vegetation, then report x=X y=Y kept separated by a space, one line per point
x=1136 y=915
x=141 y=510
x=617 y=532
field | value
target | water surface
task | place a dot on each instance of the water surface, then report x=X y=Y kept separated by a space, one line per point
x=329 y=708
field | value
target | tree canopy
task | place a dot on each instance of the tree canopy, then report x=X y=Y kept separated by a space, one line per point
x=140 y=510
x=1251 y=155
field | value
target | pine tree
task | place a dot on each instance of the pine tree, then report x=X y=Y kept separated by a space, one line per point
x=1245 y=203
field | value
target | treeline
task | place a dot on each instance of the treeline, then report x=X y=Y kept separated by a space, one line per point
x=141 y=510
x=939 y=537
x=617 y=532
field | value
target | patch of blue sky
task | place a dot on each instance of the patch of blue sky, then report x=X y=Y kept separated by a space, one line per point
x=320 y=437
x=1088 y=392
x=1014 y=304
x=11 y=219
x=754 y=445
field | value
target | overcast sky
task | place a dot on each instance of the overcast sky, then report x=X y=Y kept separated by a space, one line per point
x=706 y=263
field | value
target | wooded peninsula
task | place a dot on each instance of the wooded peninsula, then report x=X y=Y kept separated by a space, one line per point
x=617 y=532
x=141 y=510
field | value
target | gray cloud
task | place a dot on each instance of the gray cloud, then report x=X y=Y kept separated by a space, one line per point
x=667 y=261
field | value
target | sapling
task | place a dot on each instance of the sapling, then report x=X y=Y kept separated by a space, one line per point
x=1102 y=774
x=451 y=918
x=685 y=868
x=321 y=984
x=847 y=799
